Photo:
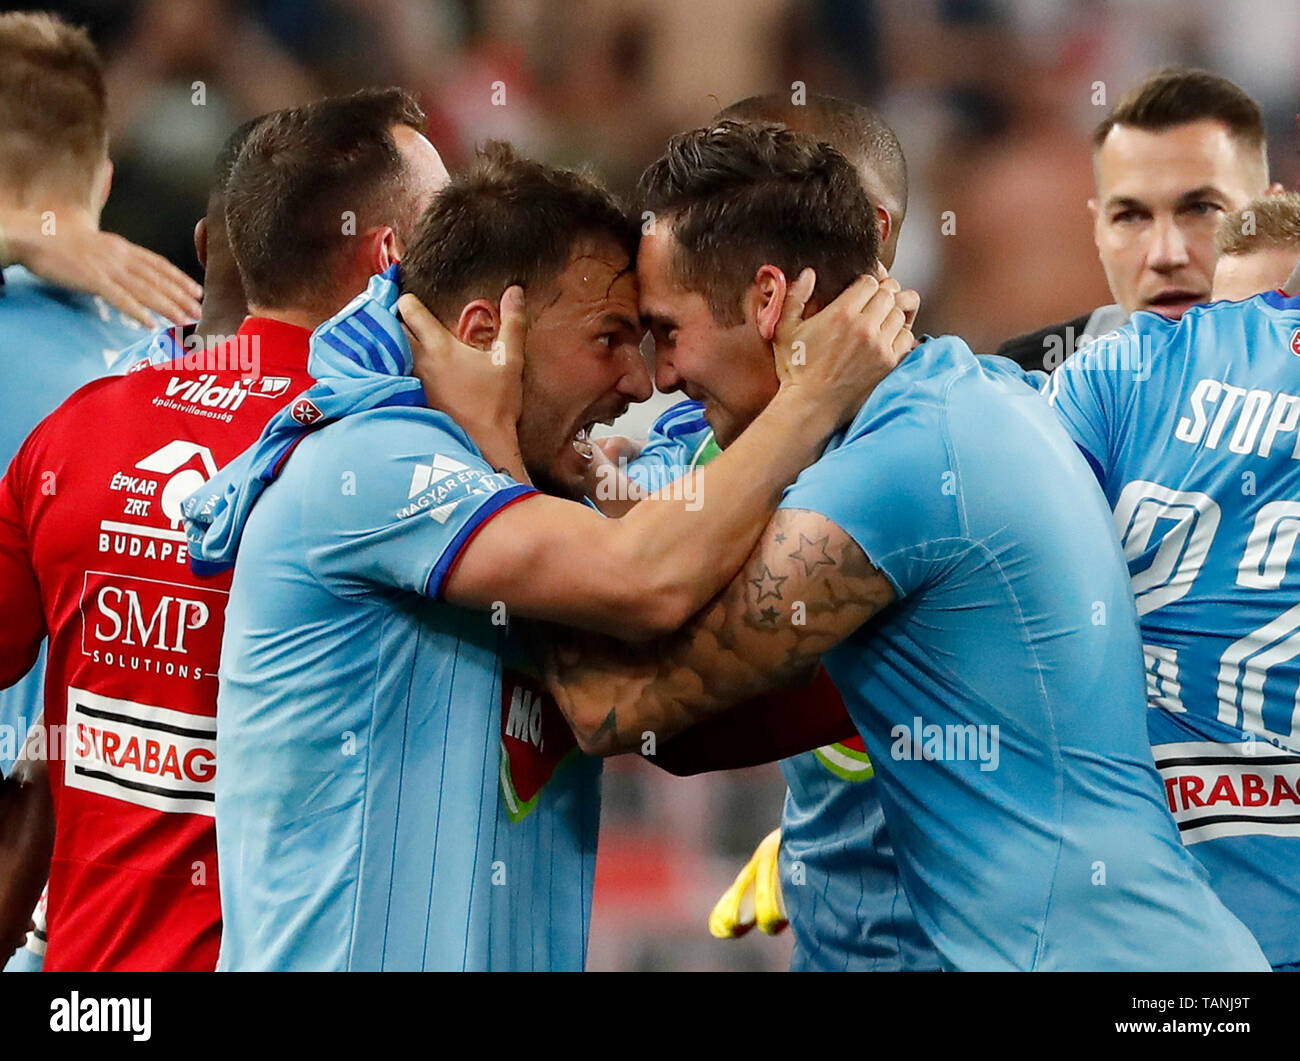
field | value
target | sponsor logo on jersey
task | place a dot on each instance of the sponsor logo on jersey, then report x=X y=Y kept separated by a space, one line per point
x=535 y=740
x=1244 y=789
x=151 y=527
x=204 y=396
x=270 y=386
x=422 y=475
x=150 y=626
x=439 y=486
x=140 y=753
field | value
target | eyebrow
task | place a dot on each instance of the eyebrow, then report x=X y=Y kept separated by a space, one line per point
x=1205 y=191
x=620 y=320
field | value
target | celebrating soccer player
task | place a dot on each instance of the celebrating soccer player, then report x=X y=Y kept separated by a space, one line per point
x=980 y=628
x=363 y=706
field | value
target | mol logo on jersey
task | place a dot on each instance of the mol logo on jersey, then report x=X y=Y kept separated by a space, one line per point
x=150 y=626
x=152 y=501
x=535 y=740
x=147 y=755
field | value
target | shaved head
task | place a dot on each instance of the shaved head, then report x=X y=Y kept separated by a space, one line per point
x=856 y=132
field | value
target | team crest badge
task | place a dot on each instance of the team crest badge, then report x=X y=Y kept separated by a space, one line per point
x=1295 y=342
x=305 y=411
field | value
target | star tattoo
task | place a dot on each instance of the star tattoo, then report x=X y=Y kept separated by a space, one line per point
x=812 y=554
x=768 y=584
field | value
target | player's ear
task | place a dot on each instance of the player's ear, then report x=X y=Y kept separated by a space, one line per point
x=201 y=242
x=478 y=324
x=1094 y=210
x=885 y=224
x=381 y=249
x=105 y=185
x=1276 y=188
x=765 y=298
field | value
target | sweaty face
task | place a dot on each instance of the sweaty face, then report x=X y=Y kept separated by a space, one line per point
x=728 y=368
x=1160 y=197
x=584 y=363
x=1239 y=276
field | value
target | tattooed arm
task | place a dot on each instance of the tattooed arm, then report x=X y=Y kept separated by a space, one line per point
x=806 y=587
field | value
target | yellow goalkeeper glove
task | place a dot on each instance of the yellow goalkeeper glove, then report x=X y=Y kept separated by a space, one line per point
x=754 y=896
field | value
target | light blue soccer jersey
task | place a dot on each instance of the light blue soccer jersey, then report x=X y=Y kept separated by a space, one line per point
x=1000 y=695
x=1192 y=428
x=52 y=342
x=839 y=877
x=382 y=796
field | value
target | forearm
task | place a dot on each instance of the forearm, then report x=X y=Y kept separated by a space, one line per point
x=26 y=844
x=681 y=549
x=805 y=588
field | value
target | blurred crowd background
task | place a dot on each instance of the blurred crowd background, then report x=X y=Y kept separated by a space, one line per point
x=994 y=102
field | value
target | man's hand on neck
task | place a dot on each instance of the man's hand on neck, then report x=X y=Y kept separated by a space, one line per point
x=65 y=246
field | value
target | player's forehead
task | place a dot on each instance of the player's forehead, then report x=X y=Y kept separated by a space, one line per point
x=1158 y=168
x=661 y=296
x=597 y=281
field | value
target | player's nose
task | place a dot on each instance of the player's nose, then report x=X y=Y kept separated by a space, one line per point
x=667 y=378
x=1169 y=246
x=635 y=382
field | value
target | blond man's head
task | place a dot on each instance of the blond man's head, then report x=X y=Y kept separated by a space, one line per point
x=1259 y=246
x=53 y=114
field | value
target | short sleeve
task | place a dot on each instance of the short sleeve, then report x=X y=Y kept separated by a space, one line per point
x=394 y=498
x=892 y=490
x=1083 y=393
x=671 y=446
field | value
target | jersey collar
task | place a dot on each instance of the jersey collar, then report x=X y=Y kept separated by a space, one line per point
x=281 y=345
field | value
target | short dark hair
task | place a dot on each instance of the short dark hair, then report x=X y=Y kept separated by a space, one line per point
x=508 y=220
x=296 y=175
x=53 y=105
x=740 y=195
x=856 y=131
x=1177 y=95
x=224 y=164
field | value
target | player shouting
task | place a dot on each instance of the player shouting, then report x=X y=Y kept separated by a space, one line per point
x=366 y=725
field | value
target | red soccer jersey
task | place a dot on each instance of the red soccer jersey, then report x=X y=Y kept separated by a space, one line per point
x=92 y=551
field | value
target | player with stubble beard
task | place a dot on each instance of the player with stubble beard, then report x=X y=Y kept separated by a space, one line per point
x=1178 y=152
